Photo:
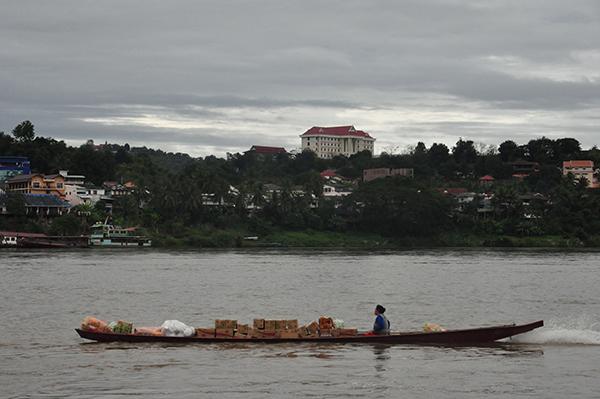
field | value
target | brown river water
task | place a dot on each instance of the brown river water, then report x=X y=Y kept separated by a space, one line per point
x=44 y=295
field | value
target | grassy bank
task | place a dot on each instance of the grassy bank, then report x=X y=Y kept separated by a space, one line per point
x=236 y=238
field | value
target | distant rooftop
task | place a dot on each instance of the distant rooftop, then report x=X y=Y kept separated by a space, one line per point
x=349 y=131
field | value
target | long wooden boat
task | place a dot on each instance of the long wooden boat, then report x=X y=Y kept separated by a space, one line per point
x=452 y=337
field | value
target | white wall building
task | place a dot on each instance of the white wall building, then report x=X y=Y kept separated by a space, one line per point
x=327 y=142
x=580 y=169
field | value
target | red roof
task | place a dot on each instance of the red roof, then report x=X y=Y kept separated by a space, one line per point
x=336 y=131
x=486 y=178
x=328 y=173
x=20 y=234
x=578 y=164
x=261 y=149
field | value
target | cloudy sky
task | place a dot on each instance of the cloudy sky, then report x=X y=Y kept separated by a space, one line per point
x=216 y=77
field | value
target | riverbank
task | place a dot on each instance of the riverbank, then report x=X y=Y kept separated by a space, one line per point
x=217 y=238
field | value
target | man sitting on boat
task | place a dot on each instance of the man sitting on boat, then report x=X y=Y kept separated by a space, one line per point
x=382 y=324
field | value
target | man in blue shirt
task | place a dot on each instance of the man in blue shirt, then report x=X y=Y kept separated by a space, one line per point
x=382 y=324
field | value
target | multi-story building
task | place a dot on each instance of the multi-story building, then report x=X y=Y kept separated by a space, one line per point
x=378 y=173
x=328 y=142
x=580 y=169
x=12 y=166
x=37 y=184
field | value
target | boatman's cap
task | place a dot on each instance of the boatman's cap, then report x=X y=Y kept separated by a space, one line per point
x=380 y=309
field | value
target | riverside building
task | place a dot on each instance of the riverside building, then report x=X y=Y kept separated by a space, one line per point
x=328 y=142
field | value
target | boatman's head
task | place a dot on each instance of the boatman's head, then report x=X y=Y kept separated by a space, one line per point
x=379 y=309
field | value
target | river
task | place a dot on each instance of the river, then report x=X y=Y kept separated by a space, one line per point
x=44 y=295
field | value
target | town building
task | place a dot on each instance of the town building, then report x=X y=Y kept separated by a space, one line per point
x=581 y=169
x=265 y=150
x=486 y=181
x=379 y=173
x=37 y=184
x=328 y=142
x=12 y=166
x=38 y=205
x=524 y=168
x=76 y=180
x=115 y=189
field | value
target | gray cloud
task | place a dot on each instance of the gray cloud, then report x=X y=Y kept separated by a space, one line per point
x=220 y=76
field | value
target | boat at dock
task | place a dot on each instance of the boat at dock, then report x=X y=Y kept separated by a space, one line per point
x=473 y=336
x=108 y=235
x=39 y=240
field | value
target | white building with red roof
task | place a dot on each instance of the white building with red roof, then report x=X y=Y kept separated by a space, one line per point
x=580 y=169
x=327 y=142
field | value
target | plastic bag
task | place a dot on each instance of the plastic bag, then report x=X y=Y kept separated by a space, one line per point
x=151 y=331
x=94 y=324
x=432 y=327
x=121 y=327
x=175 y=328
x=338 y=323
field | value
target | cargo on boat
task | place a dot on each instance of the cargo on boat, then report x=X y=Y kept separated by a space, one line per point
x=287 y=331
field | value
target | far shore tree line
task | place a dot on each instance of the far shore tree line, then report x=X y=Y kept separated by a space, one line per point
x=170 y=189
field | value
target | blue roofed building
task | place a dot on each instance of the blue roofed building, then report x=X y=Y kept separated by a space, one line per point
x=11 y=166
x=38 y=205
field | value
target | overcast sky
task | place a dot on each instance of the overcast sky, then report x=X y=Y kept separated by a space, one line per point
x=216 y=77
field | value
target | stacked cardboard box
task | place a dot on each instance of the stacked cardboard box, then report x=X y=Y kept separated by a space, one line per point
x=344 y=332
x=325 y=323
x=205 y=332
x=224 y=332
x=226 y=324
x=259 y=324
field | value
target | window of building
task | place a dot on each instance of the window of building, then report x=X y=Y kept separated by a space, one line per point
x=59 y=185
x=36 y=184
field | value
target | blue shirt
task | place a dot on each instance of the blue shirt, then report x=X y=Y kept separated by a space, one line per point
x=381 y=324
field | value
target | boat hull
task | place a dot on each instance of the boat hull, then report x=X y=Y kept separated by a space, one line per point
x=453 y=337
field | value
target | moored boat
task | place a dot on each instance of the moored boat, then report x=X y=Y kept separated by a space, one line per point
x=107 y=235
x=471 y=336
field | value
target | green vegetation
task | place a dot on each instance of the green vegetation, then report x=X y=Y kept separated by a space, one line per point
x=213 y=202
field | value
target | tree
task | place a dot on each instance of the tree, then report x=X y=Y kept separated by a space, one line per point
x=24 y=131
x=541 y=150
x=509 y=151
x=65 y=225
x=438 y=153
x=15 y=203
x=464 y=152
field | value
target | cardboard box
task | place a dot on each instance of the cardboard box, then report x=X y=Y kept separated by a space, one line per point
x=313 y=327
x=264 y=334
x=289 y=334
x=270 y=325
x=291 y=324
x=344 y=332
x=205 y=332
x=225 y=324
x=224 y=332
x=304 y=332
x=259 y=324
x=325 y=323
x=242 y=329
x=280 y=325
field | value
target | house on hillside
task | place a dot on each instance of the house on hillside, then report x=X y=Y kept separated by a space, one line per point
x=13 y=166
x=265 y=150
x=37 y=184
x=486 y=181
x=39 y=205
x=581 y=169
x=328 y=142
x=379 y=173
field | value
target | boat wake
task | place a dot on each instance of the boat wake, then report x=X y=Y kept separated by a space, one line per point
x=557 y=333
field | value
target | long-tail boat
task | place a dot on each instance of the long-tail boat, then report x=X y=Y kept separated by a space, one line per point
x=470 y=336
